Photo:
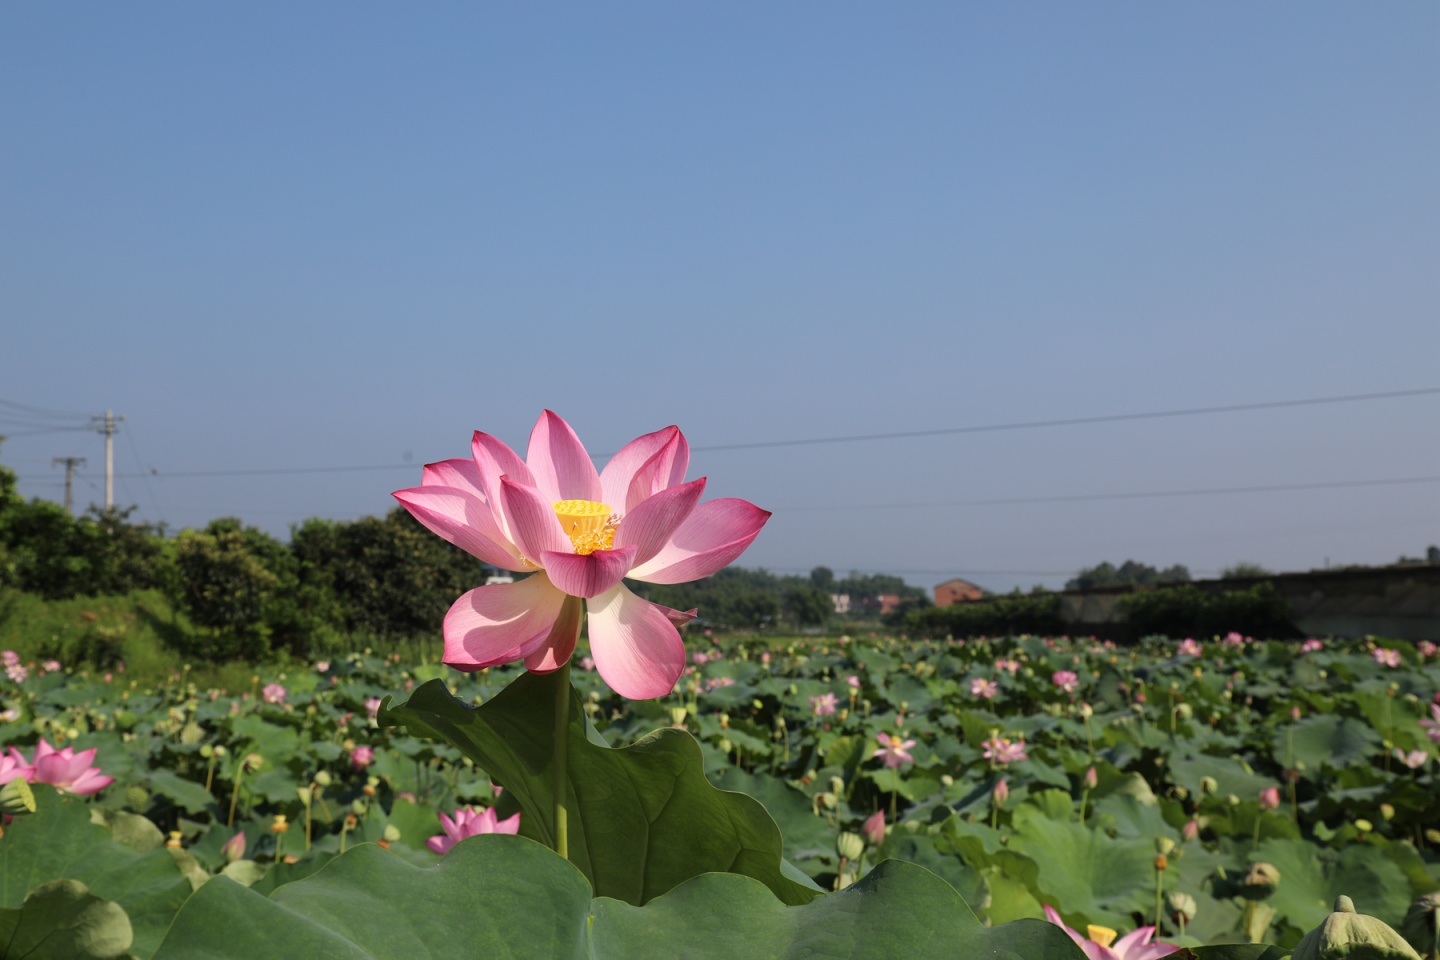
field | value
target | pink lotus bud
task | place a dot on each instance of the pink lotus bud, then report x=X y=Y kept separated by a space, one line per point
x=1090 y=779
x=234 y=848
x=1191 y=830
x=1269 y=798
x=874 y=828
x=1001 y=793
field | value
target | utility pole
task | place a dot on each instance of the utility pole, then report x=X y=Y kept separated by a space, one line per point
x=70 y=463
x=107 y=427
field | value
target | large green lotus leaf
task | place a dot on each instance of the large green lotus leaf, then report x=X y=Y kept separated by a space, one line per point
x=642 y=818
x=1328 y=742
x=58 y=842
x=1083 y=872
x=62 y=920
x=1230 y=776
x=495 y=896
x=1307 y=887
x=805 y=833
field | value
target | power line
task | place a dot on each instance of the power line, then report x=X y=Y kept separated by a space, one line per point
x=44 y=411
x=1136 y=495
x=1075 y=421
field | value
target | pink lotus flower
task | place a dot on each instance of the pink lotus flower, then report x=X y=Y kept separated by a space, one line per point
x=1189 y=648
x=1415 y=759
x=1098 y=946
x=372 y=707
x=1432 y=726
x=1426 y=648
x=1000 y=751
x=66 y=770
x=1001 y=792
x=1386 y=658
x=234 y=848
x=1269 y=798
x=1311 y=645
x=873 y=829
x=17 y=672
x=1066 y=680
x=9 y=658
x=1009 y=666
x=984 y=689
x=824 y=705
x=273 y=693
x=1233 y=639
x=362 y=757
x=894 y=750
x=581 y=532
x=14 y=764
x=469 y=822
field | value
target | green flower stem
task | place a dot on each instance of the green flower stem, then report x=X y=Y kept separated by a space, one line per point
x=562 y=743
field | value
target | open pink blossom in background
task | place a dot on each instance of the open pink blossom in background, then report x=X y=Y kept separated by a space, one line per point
x=893 y=750
x=470 y=822
x=579 y=533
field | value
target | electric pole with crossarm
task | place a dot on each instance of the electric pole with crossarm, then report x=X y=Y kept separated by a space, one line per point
x=70 y=464
x=107 y=426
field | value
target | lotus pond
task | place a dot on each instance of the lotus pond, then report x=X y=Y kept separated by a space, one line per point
x=828 y=796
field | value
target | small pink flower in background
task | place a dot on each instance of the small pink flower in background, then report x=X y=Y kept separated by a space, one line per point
x=1432 y=726
x=873 y=829
x=470 y=822
x=9 y=658
x=1386 y=658
x=1311 y=645
x=1415 y=759
x=51 y=666
x=1269 y=798
x=893 y=750
x=1102 y=945
x=1191 y=830
x=1001 y=751
x=372 y=707
x=1232 y=639
x=1091 y=779
x=1189 y=648
x=1066 y=680
x=700 y=658
x=362 y=757
x=66 y=770
x=273 y=693
x=1001 y=792
x=853 y=682
x=587 y=664
x=984 y=689
x=579 y=532
x=17 y=672
x=714 y=683
x=1426 y=648
x=765 y=658
x=322 y=666
x=824 y=705
x=9 y=715
x=234 y=848
x=1009 y=666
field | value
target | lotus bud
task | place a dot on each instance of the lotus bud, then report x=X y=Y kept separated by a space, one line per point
x=1090 y=779
x=1260 y=882
x=1181 y=793
x=948 y=781
x=1191 y=830
x=837 y=785
x=1209 y=785
x=220 y=751
x=1087 y=711
x=1269 y=798
x=830 y=800
x=725 y=745
x=724 y=721
x=1347 y=935
x=304 y=794
x=1001 y=792
x=234 y=848
x=16 y=798
x=207 y=751
x=874 y=828
x=1183 y=907
x=252 y=762
x=677 y=716
x=1422 y=924
x=322 y=779
x=136 y=797
x=1432 y=835
x=1164 y=844
x=392 y=832
x=1364 y=826
x=357 y=805
x=1295 y=713
x=850 y=845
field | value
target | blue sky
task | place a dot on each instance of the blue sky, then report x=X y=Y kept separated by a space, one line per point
x=328 y=235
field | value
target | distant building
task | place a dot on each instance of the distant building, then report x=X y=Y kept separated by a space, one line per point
x=889 y=603
x=956 y=591
x=841 y=601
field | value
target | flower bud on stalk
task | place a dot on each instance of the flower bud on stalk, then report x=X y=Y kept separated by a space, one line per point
x=1422 y=925
x=874 y=828
x=1260 y=882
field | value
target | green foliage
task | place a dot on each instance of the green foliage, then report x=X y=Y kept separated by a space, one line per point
x=1033 y=613
x=1190 y=611
x=1243 y=570
x=1129 y=573
x=384 y=576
